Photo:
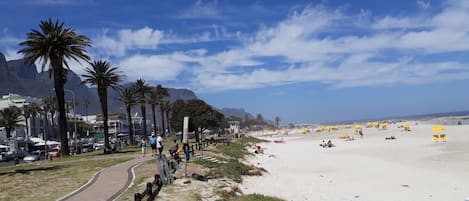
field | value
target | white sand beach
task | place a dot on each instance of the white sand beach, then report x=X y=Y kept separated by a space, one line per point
x=409 y=168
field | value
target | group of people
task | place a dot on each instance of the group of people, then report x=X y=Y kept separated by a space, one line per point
x=156 y=142
x=327 y=144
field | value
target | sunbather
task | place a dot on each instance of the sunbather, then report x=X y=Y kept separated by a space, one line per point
x=329 y=144
x=390 y=138
x=259 y=150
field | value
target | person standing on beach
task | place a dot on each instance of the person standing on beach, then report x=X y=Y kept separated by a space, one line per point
x=159 y=144
x=153 y=145
x=143 y=145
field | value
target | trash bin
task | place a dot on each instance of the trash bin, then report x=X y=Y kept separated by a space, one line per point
x=16 y=160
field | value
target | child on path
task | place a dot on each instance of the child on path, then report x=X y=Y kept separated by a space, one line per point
x=143 y=145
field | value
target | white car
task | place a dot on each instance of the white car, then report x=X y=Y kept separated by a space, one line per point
x=98 y=146
x=34 y=156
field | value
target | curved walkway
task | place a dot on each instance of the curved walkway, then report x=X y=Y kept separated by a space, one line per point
x=107 y=184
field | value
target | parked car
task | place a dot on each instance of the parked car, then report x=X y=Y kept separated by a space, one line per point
x=98 y=146
x=35 y=156
x=10 y=155
x=86 y=148
x=2 y=156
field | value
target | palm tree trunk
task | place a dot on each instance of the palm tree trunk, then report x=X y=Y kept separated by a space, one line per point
x=46 y=126
x=46 y=133
x=154 y=118
x=131 y=129
x=162 y=121
x=53 y=124
x=33 y=117
x=168 y=123
x=27 y=127
x=8 y=131
x=59 y=92
x=102 y=93
x=144 y=124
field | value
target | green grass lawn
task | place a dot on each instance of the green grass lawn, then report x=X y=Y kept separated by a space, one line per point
x=49 y=181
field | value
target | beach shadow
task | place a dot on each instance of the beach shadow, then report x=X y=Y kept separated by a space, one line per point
x=28 y=171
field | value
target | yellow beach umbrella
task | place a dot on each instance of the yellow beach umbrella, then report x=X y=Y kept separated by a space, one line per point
x=438 y=128
x=406 y=124
x=358 y=126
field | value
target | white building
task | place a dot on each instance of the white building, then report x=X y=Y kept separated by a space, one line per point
x=234 y=126
x=35 y=128
x=117 y=123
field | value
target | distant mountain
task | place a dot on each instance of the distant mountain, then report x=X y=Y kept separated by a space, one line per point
x=20 y=78
x=236 y=112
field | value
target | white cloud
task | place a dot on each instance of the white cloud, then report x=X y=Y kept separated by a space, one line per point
x=11 y=54
x=201 y=10
x=125 y=39
x=423 y=5
x=120 y=42
x=152 y=67
x=313 y=44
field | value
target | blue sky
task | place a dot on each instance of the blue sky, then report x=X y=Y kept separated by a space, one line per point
x=304 y=61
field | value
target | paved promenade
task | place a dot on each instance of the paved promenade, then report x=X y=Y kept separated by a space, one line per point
x=107 y=184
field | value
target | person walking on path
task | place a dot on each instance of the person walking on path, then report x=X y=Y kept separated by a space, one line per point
x=143 y=145
x=159 y=145
x=153 y=145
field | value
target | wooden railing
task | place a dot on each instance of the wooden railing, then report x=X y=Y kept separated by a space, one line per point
x=149 y=190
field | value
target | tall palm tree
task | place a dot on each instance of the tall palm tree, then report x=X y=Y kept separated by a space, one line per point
x=11 y=117
x=103 y=75
x=86 y=104
x=35 y=109
x=167 y=111
x=142 y=90
x=161 y=94
x=51 y=105
x=27 y=115
x=128 y=97
x=153 y=100
x=277 y=120
x=54 y=44
x=45 y=110
x=259 y=120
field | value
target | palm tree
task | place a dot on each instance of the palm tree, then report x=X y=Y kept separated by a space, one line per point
x=103 y=75
x=54 y=44
x=161 y=94
x=45 y=109
x=27 y=115
x=34 y=109
x=259 y=120
x=153 y=100
x=277 y=120
x=51 y=105
x=86 y=104
x=142 y=90
x=129 y=99
x=167 y=111
x=11 y=117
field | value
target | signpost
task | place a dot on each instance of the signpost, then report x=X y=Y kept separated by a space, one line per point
x=185 y=139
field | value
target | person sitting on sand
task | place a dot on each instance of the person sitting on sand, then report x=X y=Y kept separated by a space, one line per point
x=390 y=138
x=259 y=150
x=279 y=140
x=329 y=144
x=323 y=144
x=349 y=138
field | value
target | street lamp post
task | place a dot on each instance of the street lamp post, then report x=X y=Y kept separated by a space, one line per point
x=74 y=115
